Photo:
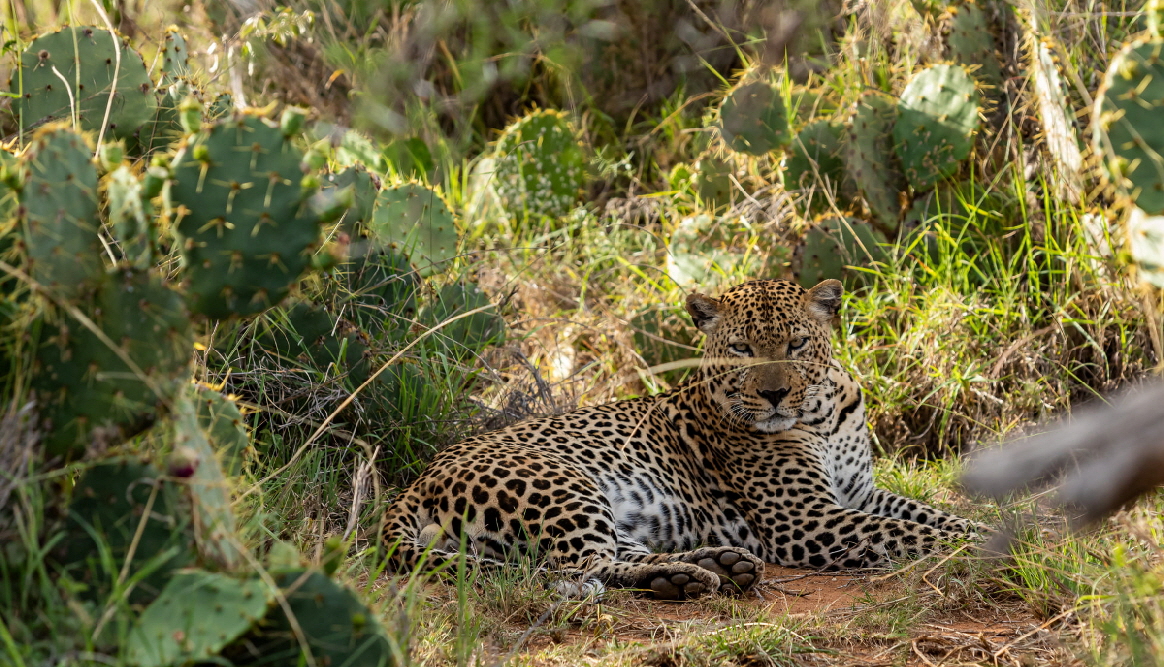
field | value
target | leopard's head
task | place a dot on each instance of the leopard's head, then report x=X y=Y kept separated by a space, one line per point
x=768 y=351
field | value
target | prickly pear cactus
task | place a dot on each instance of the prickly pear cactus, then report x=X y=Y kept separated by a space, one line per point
x=539 y=169
x=382 y=289
x=116 y=504
x=243 y=216
x=131 y=215
x=712 y=182
x=834 y=244
x=663 y=335
x=220 y=418
x=472 y=332
x=706 y=251
x=869 y=156
x=337 y=628
x=970 y=41
x=815 y=167
x=97 y=390
x=1146 y=244
x=58 y=201
x=937 y=118
x=197 y=615
x=415 y=221
x=207 y=485
x=175 y=56
x=316 y=341
x=365 y=187
x=752 y=119
x=69 y=74
x=1056 y=119
x=1127 y=133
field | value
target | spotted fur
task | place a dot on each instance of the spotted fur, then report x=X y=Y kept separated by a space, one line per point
x=764 y=456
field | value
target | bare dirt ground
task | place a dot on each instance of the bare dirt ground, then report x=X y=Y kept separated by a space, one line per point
x=859 y=619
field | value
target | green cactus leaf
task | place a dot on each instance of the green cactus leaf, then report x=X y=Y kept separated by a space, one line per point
x=833 y=245
x=1127 y=132
x=971 y=42
x=88 y=394
x=705 y=251
x=108 y=513
x=938 y=115
x=752 y=119
x=1146 y=244
x=337 y=628
x=711 y=180
x=870 y=159
x=175 y=56
x=197 y=615
x=243 y=222
x=382 y=290
x=70 y=74
x=815 y=168
x=539 y=168
x=130 y=215
x=208 y=487
x=365 y=186
x=415 y=221
x=224 y=426
x=60 y=204
x=470 y=333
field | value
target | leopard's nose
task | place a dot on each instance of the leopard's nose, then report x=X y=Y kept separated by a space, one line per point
x=774 y=396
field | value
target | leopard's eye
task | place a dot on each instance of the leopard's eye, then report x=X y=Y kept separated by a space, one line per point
x=797 y=343
x=742 y=349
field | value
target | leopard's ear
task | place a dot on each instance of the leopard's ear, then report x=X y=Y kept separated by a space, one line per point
x=704 y=311
x=824 y=301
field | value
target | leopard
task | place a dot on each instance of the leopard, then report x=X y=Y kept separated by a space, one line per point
x=762 y=456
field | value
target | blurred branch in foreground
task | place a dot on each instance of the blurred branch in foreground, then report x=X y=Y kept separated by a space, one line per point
x=1111 y=455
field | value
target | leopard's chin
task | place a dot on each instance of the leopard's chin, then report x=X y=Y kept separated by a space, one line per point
x=775 y=424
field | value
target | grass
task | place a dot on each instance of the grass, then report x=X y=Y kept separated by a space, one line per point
x=1009 y=314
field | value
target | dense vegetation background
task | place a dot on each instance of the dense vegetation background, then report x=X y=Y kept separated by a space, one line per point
x=229 y=338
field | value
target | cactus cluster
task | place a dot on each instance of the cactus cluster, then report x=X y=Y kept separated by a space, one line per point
x=539 y=169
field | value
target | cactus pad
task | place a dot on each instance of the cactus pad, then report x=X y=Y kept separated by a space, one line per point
x=706 y=251
x=815 y=167
x=1128 y=134
x=382 y=289
x=937 y=118
x=86 y=390
x=869 y=156
x=59 y=204
x=415 y=220
x=971 y=42
x=337 y=628
x=244 y=224
x=834 y=244
x=107 y=510
x=197 y=615
x=752 y=119
x=175 y=56
x=539 y=169
x=208 y=488
x=224 y=426
x=71 y=73
x=711 y=180
x=472 y=332
x=131 y=216
x=1146 y=244
x=364 y=187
